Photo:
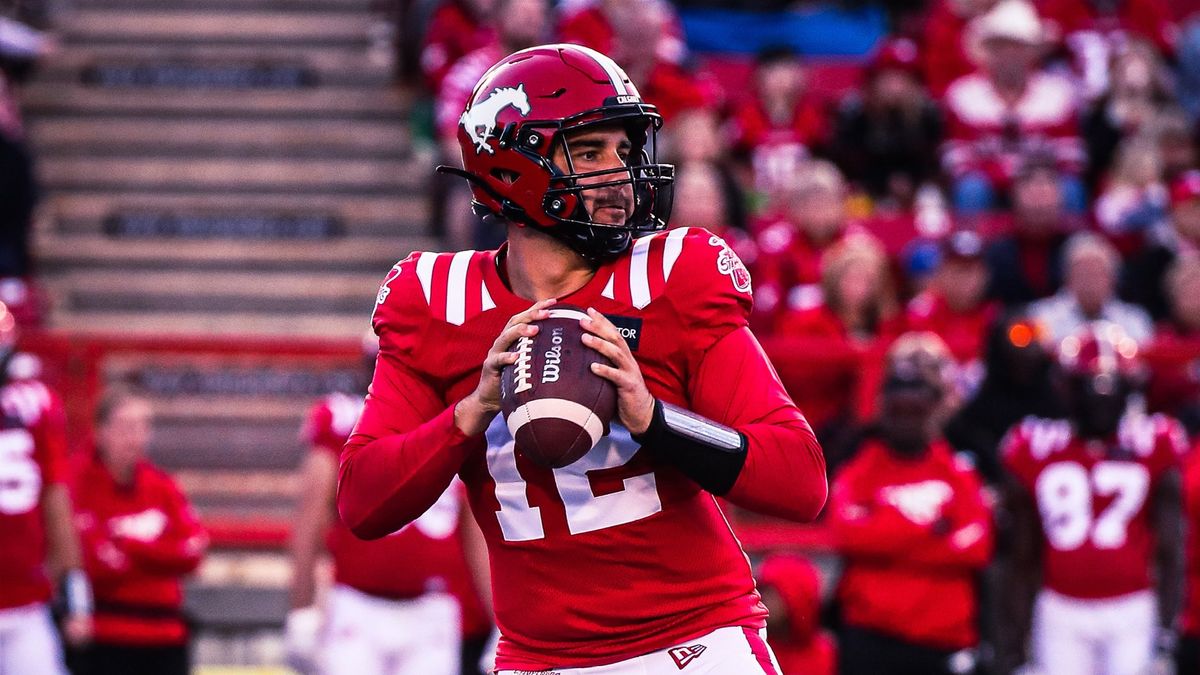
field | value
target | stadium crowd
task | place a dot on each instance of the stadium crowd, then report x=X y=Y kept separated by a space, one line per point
x=998 y=179
x=994 y=218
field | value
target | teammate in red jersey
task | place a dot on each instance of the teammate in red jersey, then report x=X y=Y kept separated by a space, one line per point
x=914 y=528
x=401 y=604
x=38 y=541
x=622 y=559
x=1187 y=659
x=140 y=537
x=1096 y=507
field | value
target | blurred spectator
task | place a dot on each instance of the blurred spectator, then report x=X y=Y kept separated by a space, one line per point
x=694 y=140
x=597 y=24
x=944 y=57
x=519 y=24
x=1096 y=524
x=1143 y=275
x=791 y=591
x=914 y=529
x=955 y=307
x=778 y=127
x=1135 y=199
x=661 y=81
x=856 y=299
x=140 y=538
x=457 y=28
x=400 y=604
x=701 y=200
x=1016 y=384
x=1138 y=91
x=1176 y=142
x=1008 y=108
x=886 y=140
x=1175 y=382
x=1026 y=263
x=828 y=340
x=20 y=48
x=1093 y=31
x=790 y=247
x=1089 y=294
x=38 y=542
x=1188 y=657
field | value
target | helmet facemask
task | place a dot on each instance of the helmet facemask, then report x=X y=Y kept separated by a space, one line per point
x=565 y=205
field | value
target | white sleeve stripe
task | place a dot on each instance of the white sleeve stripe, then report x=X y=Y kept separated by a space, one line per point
x=425 y=272
x=485 y=297
x=456 y=288
x=614 y=71
x=639 y=272
x=674 y=247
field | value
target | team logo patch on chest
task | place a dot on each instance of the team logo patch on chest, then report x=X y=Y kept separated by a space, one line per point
x=479 y=121
x=682 y=656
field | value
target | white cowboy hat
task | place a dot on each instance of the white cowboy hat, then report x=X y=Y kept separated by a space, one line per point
x=1015 y=20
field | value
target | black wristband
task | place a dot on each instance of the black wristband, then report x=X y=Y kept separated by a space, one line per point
x=709 y=453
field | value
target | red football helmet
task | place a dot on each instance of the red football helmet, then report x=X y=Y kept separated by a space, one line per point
x=1101 y=349
x=521 y=111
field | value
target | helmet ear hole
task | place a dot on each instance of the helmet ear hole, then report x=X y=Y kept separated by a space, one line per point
x=506 y=176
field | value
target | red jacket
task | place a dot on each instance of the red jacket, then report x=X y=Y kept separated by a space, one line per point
x=453 y=32
x=913 y=533
x=805 y=648
x=965 y=333
x=1190 y=618
x=944 y=59
x=138 y=542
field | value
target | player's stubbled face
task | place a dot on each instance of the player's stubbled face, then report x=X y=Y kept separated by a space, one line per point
x=600 y=149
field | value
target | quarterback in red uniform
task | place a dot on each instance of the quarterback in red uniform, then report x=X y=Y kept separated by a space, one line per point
x=401 y=604
x=622 y=559
x=37 y=538
x=1097 y=513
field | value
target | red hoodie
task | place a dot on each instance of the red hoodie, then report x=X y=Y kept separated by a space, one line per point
x=913 y=533
x=805 y=647
x=138 y=542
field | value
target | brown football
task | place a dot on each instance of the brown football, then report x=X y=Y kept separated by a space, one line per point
x=556 y=408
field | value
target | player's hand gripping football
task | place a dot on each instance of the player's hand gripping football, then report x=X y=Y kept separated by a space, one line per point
x=635 y=404
x=473 y=414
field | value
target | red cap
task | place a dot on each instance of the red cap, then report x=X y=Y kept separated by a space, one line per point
x=897 y=54
x=1186 y=187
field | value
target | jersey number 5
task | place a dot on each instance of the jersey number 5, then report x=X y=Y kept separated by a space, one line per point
x=1065 y=494
x=585 y=511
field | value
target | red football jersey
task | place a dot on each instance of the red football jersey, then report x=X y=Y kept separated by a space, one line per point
x=1093 y=499
x=914 y=532
x=425 y=556
x=618 y=554
x=985 y=133
x=1190 y=617
x=33 y=450
x=138 y=542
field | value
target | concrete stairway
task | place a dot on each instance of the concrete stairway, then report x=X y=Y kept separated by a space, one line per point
x=221 y=167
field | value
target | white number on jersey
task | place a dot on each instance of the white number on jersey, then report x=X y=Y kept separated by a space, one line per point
x=585 y=511
x=20 y=477
x=1065 y=495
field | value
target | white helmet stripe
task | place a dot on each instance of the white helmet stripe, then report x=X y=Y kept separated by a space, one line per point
x=615 y=74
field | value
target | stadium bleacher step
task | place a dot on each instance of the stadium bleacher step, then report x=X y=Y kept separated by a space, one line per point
x=224 y=173
x=189 y=25
x=344 y=103
x=145 y=214
x=234 y=175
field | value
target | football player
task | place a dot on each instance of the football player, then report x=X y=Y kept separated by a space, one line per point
x=140 y=538
x=401 y=604
x=38 y=541
x=913 y=526
x=1096 y=509
x=623 y=559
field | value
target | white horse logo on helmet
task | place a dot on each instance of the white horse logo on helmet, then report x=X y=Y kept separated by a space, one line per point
x=480 y=119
